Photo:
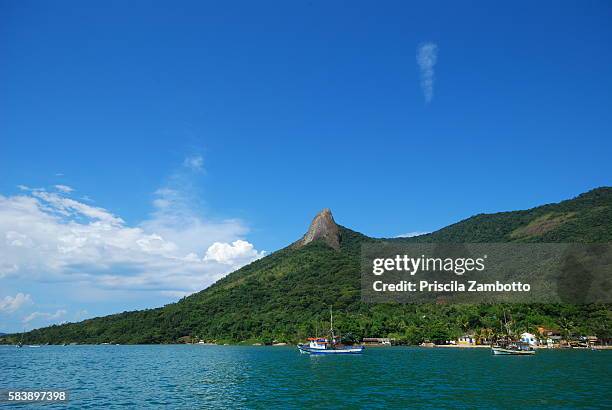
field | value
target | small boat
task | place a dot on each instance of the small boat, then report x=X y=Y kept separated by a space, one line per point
x=321 y=345
x=508 y=345
x=513 y=348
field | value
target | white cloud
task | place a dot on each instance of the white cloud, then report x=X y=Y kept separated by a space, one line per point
x=47 y=237
x=411 y=234
x=427 y=56
x=194 y=162
x=64 y=188
x=69 y=207
x=238 y=252
x=17 y=239
x=44 y=315
x=11 y=304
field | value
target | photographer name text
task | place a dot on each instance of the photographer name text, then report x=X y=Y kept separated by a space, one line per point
x=422 y=264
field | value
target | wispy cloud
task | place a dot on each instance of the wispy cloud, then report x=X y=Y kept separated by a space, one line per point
x=64 y=188
x=11 y=304
x=44 y=315
x=55 y=203
x=411 y=234
x=427 y=56
x=194 y=162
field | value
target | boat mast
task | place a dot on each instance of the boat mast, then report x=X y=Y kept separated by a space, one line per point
x=331 y=322
x=506 y=325
x=21 y=340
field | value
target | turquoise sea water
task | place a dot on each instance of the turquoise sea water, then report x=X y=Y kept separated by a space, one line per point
x=185 y=376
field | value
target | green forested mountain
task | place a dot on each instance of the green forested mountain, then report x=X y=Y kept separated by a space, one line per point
x=285 y=296
x=584 y=219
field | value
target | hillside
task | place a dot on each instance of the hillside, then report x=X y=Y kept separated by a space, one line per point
x=584 y=219
x=284 y=296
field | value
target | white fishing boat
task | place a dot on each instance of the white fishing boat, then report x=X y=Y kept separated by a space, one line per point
x=322 y=346
x=510 y=346
x=515 y=348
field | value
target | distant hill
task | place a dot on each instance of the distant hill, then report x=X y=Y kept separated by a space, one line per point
x=584 y=219
x=285 y=295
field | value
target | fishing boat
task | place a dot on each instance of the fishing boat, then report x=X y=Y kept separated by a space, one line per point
x=322 y=345
x=507 y=345
x=513 y=348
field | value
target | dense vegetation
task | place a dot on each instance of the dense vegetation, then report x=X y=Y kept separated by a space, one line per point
x=285 y=296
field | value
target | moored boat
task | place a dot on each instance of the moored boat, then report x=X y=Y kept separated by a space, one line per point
x=515 y=348
x=509 y=345
x=321 y=345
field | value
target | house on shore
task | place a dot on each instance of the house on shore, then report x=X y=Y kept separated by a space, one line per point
x=550 y=337
x=529 y=338
x=466 y=340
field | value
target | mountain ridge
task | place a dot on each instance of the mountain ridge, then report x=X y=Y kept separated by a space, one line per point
x=284 y=295
x=597 y=198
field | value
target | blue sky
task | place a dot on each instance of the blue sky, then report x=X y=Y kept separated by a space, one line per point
x=206 y=123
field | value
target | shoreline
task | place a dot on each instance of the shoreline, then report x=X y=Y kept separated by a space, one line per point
x=537 y=347
x=432 y=346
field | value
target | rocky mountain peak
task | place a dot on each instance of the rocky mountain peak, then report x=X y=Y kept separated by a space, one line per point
x=323 y=227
